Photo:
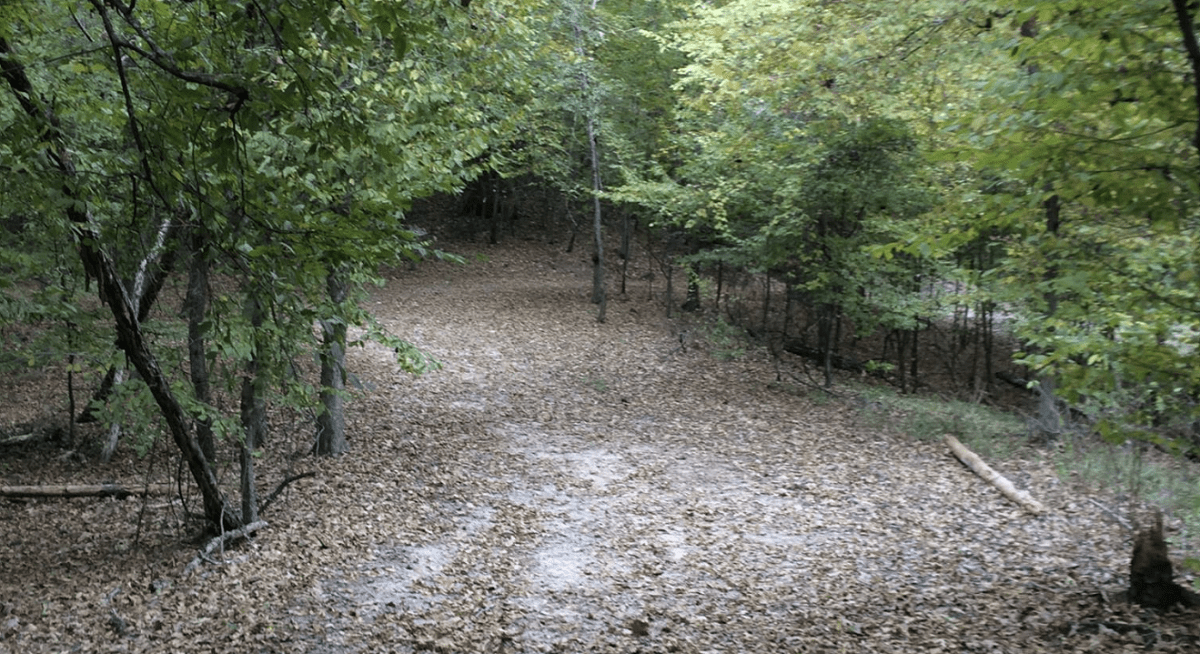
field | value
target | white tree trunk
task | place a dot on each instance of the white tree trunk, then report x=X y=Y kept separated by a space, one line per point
x=135 y=299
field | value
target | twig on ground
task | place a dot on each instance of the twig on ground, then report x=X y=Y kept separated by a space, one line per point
x=221 y=541
x=1112 y=514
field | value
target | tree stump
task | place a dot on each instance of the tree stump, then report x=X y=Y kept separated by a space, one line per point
x=1151 y=581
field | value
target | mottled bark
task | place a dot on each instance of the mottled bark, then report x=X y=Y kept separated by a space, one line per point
x=1049 y=418
x=331 y=423
x=249 y=491
x=253 y=404
x=253 y=417
x=143 y=290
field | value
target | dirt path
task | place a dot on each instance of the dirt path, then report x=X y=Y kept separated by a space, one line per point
x=563 y=486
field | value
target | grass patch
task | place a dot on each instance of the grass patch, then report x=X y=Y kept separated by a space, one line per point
x=988 y=431
x=597 y=383
x=726 y=342
x=1135 y=473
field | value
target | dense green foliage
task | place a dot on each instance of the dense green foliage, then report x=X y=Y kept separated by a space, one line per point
x=1087 y=143
x=854 y=151
x=273 y=146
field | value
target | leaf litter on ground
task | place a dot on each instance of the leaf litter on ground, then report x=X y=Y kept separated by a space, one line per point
x=565 y=486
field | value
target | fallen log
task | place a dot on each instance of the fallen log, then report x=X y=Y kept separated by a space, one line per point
x=84 y=490
x=976 y=464
x=220 y=542
x=836 y=360
x=16 y=439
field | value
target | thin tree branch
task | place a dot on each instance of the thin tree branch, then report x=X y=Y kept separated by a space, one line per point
x=279 y=489
x=167 y=228
x=166 y=61
x=79 y=24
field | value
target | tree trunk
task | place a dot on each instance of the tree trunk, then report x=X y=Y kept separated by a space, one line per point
x=493 y=197
x=916 y=356
x=1187 y=30
x=570 y=216
x=331 y=423
x=71 y=387
x=1049 y=418
x=140 y=287
x=253 y=404
x=197 y=308
x=989 y=327
x=1151 y=578
x=626 y=234
x=825 y=343
x=152 y=274
x=98 y=266
x=670 y=287
x=788 y=302
x=99 y=397
x=133 y=343
x=720 y=282
x=113 y=435
x=599 y=293
x=692 y=301
x=253 y=414
x=249 y=491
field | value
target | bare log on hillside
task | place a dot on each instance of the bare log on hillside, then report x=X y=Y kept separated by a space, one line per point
x=84 y=490
x=838 y=361
x=220 y=542
x=17 y=439
x=976 y=464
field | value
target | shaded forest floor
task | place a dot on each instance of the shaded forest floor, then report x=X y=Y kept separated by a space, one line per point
x=565 y=486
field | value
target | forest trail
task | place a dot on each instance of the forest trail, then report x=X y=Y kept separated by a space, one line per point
x=570 y=487
x=565 y=486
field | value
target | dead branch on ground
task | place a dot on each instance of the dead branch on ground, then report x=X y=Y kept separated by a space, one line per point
x=84 y=490
x=1002 y=484
x=220 y=542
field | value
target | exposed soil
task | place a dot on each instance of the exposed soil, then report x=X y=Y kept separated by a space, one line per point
x=565 y=486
